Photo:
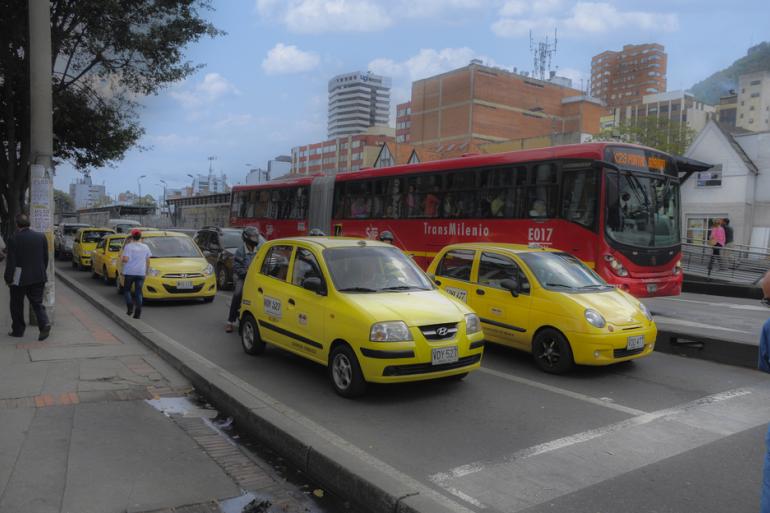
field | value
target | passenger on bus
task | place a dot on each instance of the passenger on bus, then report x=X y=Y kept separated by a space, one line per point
x=538 y=209
x=411 y=202
x=497 y=205
x=486 y=205
x=359 y=209
x=432 y=203
x=448 y=207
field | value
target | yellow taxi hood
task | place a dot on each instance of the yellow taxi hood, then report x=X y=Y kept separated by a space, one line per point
x=87 y=246
x=415 y=308
x=614 y=306
x=179 y=264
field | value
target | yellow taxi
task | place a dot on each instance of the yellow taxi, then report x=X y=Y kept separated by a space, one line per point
x=362 y=308
x=104 y=261
x=178 y=269
x=84 y=245
x=546 y=302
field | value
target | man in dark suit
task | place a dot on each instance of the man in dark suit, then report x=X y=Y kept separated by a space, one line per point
x=25 y=274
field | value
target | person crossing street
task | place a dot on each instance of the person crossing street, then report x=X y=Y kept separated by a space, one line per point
x=241 y=261
x=136 y=263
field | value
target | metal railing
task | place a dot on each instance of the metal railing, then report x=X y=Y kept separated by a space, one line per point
x=734 y=264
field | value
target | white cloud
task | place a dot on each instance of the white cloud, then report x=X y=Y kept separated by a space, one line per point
x=212 y=87
x=234 y=120
x=519 y=17
x=283 y=59
x=427 y=62
x=173 y=140
x=318 y=16
x=432 y=8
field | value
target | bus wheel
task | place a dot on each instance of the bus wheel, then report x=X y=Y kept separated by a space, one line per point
x=552 y=352
x=345 y=373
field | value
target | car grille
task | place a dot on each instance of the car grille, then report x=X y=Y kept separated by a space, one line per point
x=183 y=275
x=426 y=368
x=173 y=290
x=621 y=353
x=439 y=331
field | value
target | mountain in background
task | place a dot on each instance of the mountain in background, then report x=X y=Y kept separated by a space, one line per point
x=721 y=82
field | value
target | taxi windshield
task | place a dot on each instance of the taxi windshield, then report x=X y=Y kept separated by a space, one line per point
x=563 y=272
x=116 y=244
x=172 y=247
x=374 y=269
x=93 y=236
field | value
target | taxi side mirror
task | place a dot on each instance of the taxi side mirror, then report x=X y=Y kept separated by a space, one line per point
x=315 y=284
x=511 y=285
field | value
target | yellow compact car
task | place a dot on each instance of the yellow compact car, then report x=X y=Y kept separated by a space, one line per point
x=84 y=245
x=178 y=269
x=104 y=262
x=362 y=308
x=546 y=302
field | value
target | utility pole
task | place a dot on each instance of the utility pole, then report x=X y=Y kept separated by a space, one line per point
x=41 y=137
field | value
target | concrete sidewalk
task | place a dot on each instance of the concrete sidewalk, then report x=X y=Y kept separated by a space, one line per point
x=93 y=421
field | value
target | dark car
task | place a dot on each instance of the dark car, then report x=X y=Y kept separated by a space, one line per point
x=219 y=246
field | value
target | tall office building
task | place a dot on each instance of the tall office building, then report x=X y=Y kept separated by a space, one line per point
x=754 y=101
x=357 y=101
x=85 y=194
x=623 y=78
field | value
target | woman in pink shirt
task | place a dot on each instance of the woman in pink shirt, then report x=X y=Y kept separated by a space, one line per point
x=717 y=241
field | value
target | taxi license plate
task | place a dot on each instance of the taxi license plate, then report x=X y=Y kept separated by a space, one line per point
x=184 y=284
x=636 y=342
x=443 y=355
x=652 y=287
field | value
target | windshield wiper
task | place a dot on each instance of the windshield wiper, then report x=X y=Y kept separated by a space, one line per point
x=356 y=289
x=404 y=287
x=594 y=286
x=559 y=285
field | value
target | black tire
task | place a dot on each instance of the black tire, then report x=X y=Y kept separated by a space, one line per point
x=209 y=299
x=552 y=352
x=345 y=372
x=118 y=287
x=222 y=281
x=251 y=341
x=94 y=274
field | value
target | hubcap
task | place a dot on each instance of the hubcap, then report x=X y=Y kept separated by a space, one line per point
x=248 y=335
x=549 y=352
x=342 y=371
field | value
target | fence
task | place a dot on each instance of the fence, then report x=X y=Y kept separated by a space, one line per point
x=735 y=264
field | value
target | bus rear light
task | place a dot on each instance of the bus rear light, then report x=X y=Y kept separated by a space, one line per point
x=616 y=266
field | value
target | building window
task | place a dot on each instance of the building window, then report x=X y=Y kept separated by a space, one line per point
x=755 y=95
x=755 y=82
x=699 y=227
x=711 y=177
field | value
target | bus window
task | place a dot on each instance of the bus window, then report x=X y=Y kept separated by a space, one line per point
x=542 y=195
x=393 y=203
x=359 y=194
x=580 y=193
x=461 y=187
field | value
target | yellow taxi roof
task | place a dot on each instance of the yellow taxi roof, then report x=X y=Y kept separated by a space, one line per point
x=335 y=242
x=96 y=229
x=162 y=233
x=511 y=248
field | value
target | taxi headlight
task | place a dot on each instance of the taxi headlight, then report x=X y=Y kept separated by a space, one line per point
x=391 y=331
x=645 y=311
x=208 y=270
x=594 y=318
x=153 y=272
x=472 y=324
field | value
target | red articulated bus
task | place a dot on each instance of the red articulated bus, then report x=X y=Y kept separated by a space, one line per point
x=615 y=206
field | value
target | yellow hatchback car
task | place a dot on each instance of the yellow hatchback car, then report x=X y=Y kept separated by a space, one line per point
x=178 y=269
x=84 y=245
x=104 y=262
x=546 y=302
x=362 y=308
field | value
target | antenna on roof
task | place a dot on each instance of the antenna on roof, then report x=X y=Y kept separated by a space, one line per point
x=542 y=53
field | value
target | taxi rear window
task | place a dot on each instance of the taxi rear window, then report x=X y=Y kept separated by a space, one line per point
x=456 y=264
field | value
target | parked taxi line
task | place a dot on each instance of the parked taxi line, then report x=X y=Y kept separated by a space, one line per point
x=525 y=478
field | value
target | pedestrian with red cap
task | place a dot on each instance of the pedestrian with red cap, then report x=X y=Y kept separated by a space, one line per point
x=136 y=263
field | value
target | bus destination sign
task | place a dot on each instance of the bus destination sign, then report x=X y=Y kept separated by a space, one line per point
x=638 y=159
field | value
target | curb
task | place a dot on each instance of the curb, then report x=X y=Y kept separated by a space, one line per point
x=707 y=348
x=720 y=288
x=336 y=465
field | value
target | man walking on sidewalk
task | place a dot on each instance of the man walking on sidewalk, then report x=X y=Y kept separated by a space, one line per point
x=136 y=262
x=25 y=275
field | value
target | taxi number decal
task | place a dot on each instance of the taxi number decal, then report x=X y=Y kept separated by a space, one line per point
x=273 y=307
x=460 y=294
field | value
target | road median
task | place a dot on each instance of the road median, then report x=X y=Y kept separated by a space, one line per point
x=340 y=467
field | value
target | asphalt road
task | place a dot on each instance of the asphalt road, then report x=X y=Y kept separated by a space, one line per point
x=663 y=434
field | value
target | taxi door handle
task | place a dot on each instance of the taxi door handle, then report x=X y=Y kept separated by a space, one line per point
x=259 y=290
x=291 y=302
x=480 y=292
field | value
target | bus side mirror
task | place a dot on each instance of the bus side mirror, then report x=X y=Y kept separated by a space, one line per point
x=512 y=286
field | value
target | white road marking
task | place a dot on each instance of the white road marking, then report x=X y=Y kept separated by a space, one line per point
x=549 y=470
x=694 y=324
x=734 y=306
x=562 y=391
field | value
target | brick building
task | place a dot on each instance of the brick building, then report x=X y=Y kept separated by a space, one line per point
x=341 y=154
x=623 y=78
x=458 y=111
x=403 y=122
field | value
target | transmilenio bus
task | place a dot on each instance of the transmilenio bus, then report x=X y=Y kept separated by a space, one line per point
x=614 y=206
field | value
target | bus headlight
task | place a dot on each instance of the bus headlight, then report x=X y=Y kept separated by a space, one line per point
x=616 y=266
x=391 y=331
x=678 y=267
x=594 y=318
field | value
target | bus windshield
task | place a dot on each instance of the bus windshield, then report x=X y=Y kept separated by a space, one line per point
x=642 y=211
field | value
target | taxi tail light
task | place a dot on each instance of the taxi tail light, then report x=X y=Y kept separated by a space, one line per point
x=616 y=266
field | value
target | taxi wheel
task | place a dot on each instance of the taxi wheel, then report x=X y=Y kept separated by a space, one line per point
x=552 y=352
x=94 y=274
x=105 y=276
x=250 y=340
x=345 y=373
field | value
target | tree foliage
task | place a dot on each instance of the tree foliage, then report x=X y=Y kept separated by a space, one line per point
x=146 y=201
x=63 y=202
x=721 y=82
x=663 y=134
x=107 y=55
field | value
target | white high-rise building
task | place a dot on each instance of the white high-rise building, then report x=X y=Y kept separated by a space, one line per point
x=85 y=194
x=358 y=101
x=754 y=101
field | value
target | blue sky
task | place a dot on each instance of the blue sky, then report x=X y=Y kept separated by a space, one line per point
x=263 y=87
